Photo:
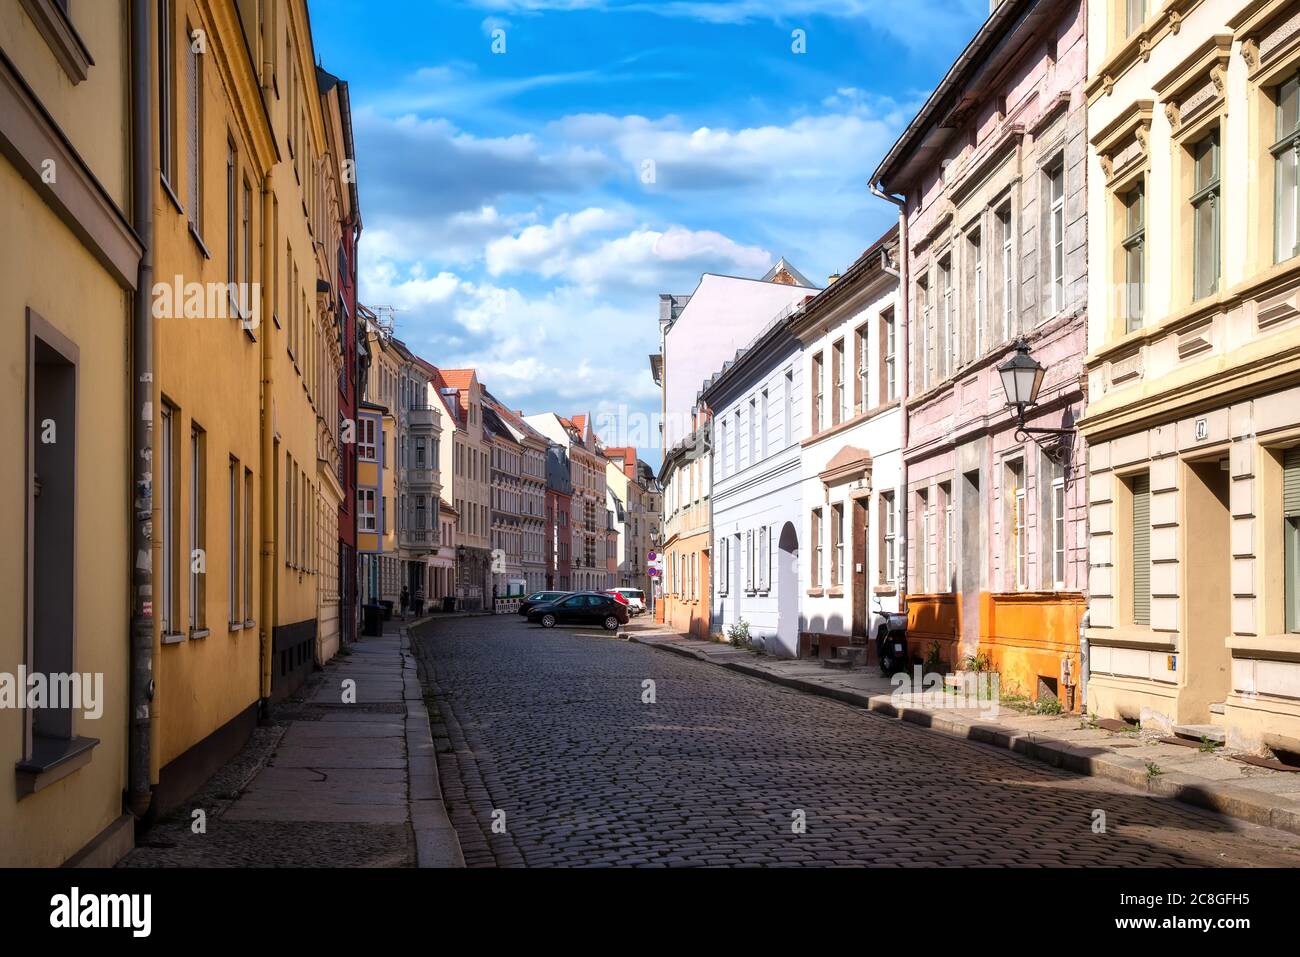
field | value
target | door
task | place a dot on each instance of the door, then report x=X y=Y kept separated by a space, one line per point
x=787 y=592
x=1204 y=662
x=861 y=583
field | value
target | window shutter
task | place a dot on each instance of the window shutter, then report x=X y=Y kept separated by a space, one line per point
x=1291 y=483
x=1142 y=550
x=764 y=557
x=749 y=560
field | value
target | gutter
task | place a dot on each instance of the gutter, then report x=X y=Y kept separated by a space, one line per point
x=904 y=372
x=266 y=600
x=143 y=517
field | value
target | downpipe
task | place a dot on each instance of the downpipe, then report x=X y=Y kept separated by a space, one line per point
x=1083 y=662
x=139 y=796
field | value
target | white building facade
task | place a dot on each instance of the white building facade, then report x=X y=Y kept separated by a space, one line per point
x=851 y=364
x=756 y=409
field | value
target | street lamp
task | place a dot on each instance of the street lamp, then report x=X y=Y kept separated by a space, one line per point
x=1022 y=377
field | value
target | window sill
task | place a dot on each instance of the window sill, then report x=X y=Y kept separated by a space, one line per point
x=171 y=194
x=815 y=593
x=250 y=623
x=53 y=24
x=51 y=760
x=197 y=633
x=835 y=592
x=885 y=590
x=173 y=638
x=1284 y=646
x=1134 y=636
x=234 y=626
x=203 y=247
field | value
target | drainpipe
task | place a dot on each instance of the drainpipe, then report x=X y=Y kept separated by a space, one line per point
x=139 y=771
x=266 y=611
x=905 y=376
x=1083 y=662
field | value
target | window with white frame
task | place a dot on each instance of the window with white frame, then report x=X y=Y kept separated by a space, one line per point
x=1133 y=246
x=724 y=572
x=891 y=378
x=1286 y=182
x=947 y=327
x=816 y=551
x=764 y=557
x=925 y=567
x=1205 y=216
x=1056 y=236
x=749 y=561
x=837 y=545
x=1008 y=265
x=949 y=539
x=863 y=394
x=839 y=410
x=888 y=538
x=977 y=257
x=366 y=514
x=1016 y=552
x=1058 y=532
x=367 y=445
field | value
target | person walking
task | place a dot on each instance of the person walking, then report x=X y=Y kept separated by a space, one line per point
x=405 y=599
x=419 y=601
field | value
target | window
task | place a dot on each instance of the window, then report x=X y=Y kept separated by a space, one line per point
x=891 y=387
x=1285 y=152
x=366 y=521
x=949 y=538
x=753 y=432
x=837 y=545
x=1291 y=535
x=198 y=559
x=50 y=619
x=788 y=411
x=233 y=549
x=722 y=447
x=977 y=257
x=166 y=83
x=818 y=398
x=724 y=570
x=366 y=445
x=246 y=297
x=194 y=141
x=1140 y=487
x=926 y=296
x=764 y=558
x=1056 y=236
x=1134 y=252
x=1058 y=532
x=167 y=501
x=925 y=571
x=947 y=328
x=232 y=217
x=749 y=561
x=888 y=538
x=861 y=394
x=248 y=545
x=1135 y=13
x=762 y=424
x=1008 y=265
x=1205 y=216
x=1016 y=553
x=838 y=408
x=816 y=535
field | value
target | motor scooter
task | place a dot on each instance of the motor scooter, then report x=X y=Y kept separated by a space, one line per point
x=891 y=641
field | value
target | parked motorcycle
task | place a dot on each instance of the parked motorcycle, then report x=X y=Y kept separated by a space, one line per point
x=891 y=640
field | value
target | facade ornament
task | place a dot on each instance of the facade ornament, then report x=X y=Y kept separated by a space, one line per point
x=1171 y=114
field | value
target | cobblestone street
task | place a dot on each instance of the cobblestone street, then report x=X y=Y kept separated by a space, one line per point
x=550 y=728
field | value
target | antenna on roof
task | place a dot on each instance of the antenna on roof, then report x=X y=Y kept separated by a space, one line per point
x=385 y=320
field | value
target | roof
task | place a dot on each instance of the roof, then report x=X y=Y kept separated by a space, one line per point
x=786 y=274
x=981 y=55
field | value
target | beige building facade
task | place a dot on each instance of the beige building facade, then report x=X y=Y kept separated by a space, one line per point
x=1193 y=421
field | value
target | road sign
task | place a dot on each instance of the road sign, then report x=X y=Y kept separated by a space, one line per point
x=651 y=557
x=652 y=571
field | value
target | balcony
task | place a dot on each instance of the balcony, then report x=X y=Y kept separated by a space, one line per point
x=420 y=418
x=414 y=477
x=417 y=538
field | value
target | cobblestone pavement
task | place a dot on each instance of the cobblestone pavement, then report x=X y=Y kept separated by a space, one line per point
x=550 y=728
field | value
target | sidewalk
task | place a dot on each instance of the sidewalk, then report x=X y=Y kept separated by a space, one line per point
x=1208 y=779
x=349 y=770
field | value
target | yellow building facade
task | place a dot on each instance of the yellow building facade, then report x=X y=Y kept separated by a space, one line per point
x=66 y=292
x=1193 y=420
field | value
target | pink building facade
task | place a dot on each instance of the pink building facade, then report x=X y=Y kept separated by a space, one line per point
x=991 y=177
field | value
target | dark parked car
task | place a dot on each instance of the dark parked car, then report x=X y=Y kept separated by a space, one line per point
x=582 y=608
x=540 y=598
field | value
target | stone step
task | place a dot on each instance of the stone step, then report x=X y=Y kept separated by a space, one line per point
x=838 y=664
x=1194 y=732
x=854 y=653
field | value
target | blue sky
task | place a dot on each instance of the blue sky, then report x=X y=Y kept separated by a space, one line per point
x=523 y=209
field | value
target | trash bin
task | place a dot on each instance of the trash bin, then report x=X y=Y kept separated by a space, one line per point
x=374 y=618
x=449 y=603
x=387 y=605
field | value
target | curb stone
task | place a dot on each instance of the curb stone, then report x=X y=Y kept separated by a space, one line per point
x=1224 y=798
x=436 y=841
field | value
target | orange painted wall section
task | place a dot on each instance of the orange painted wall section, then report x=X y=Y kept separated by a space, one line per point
x=1025 y=634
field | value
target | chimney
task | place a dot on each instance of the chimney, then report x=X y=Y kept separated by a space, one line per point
x=832 y=277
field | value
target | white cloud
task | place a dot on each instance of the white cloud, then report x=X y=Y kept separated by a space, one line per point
x=545 y=249
x=648 y=258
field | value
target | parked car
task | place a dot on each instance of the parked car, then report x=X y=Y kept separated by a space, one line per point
x=540 y=598
x=581 y=608
x=634 y=597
